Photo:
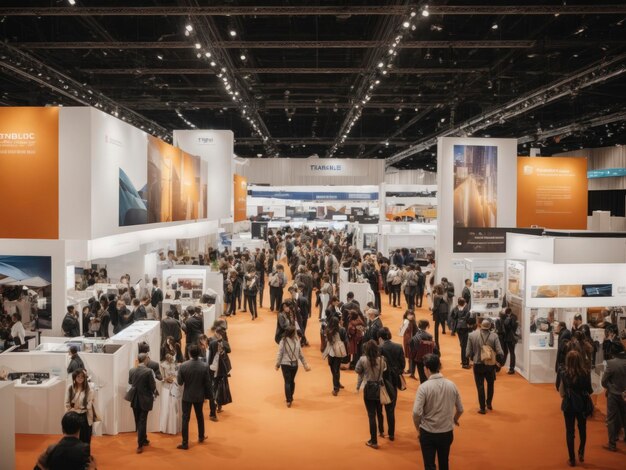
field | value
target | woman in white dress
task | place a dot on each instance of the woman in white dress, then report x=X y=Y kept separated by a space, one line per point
x=170 y=419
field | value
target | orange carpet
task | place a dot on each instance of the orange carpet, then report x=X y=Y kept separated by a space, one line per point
x=525 y=430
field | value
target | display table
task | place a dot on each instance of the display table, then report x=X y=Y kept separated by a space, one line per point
x=39 y=408
x=7 y=430
x=361 y=290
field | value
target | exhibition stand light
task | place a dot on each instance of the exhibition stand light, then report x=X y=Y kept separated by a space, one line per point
x=599 y=72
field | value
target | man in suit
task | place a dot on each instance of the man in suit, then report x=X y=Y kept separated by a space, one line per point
x=351 y=304
x=139 y=311
x=304 y=310
x=144 y=348
x=193 y=328
x=467 y=294
x=70 y=325
x=170 y=327
x=194 y=375
x=69 y=453
x=563 y=335
x=394 y=356
x=124 y=316
x=141 y=395
x=614 y=380
x=374 y=324
x=157 y=294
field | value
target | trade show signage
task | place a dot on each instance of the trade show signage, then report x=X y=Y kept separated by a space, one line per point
x=552 y=192
x=29 y=172
x=485 y=240
x=606 y=173
x=241 y=195
x=330 y=167
x=315 y=196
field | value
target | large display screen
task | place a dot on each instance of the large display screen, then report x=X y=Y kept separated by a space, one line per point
x=175 y=189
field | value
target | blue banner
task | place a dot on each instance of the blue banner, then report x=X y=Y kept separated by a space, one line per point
x=315 y=196
x=606 y=173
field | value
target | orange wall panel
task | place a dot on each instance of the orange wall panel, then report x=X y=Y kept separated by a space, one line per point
x=552 y=192
x=241 y=198
x=29 y=173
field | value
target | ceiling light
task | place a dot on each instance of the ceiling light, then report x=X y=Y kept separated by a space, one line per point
x=413 y=14
x=259 y=154
x=198 y=45
x=384 y=72
x=198 y=55
x=207 y=54
x=494 y=26
x=425 y=13
x=232 y=33
x=213 y=64
x=242 y=57
x=159 y=56
x=71 y=2
x=380 y=65
x=189 y=28
x=406 y=24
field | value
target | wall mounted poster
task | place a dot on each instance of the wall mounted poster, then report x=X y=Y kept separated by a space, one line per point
x=29 y=172
x=241 y=198
x=475 y=188
x=26 y=288
x=175 y=189
x=552 y=192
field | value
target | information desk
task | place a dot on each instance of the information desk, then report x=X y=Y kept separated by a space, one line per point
x=39 y=408
x=7 y=430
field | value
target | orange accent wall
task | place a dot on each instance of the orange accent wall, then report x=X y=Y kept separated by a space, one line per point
x=552 y=192
x=241 y=196
x=29 y=173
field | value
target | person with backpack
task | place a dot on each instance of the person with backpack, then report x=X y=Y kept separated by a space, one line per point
x=575 y=390
x=422 y=344
x=410 y=287
x=460 y=315
x=485 y=351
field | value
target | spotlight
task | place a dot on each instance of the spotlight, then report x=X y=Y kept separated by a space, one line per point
x=242 y=57
x=232 y=33
x=425 y=13
x=213 y=64
x=380 y=65
x=198 y=45
x=494 y=26
x=207 y=54
x=159 y=56
x=71 y=2
x=406 y=24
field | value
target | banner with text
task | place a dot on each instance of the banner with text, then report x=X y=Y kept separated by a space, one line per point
x=552 y=192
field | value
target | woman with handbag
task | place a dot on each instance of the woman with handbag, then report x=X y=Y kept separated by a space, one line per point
x=356 y=330
x=289 y=353
x=335 y=350
x=79 y=398
x=407 y=331
x=170 y=417
x=575 y=389
x=370 y=369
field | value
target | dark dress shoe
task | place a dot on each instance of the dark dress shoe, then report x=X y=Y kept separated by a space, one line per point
x=288 y=404
x=392 y=438
x=201 y=439
x=139 y=450
x=511 y=372
x=335 y=392
x=371 y=444
x=341 y=386
x=572 y=463
x=146 y=442
x=581 y=457
x=182 y=446
x=482 y=412
x=489 y=407
x=213 y=418
x=610 y=447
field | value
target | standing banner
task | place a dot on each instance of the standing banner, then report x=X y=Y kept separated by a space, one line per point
x=240 y=192
x=29 y=173
x=552 y=192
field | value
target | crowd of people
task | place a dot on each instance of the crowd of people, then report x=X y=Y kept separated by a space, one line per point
x=302 y=270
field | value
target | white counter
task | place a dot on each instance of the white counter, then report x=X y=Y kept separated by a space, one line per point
x=39 y=408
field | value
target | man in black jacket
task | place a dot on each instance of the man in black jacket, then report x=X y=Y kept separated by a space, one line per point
x=70 y=325
x=460 y=315
x=374 y=324
x=141 y=395
x=139 y=311
x=194 y=375
x=193 y=329
x=124 y=316
x=304 y=311
x=157 y=294
x=394 y=356
x=69 y=453
x=170 y=327
x=563 y=335
x=112 y=309
x=144 y=347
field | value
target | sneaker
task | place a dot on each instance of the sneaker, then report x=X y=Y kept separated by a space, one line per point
x=371 y=444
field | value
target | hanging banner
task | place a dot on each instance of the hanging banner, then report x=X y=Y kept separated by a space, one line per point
x=29 y=172
x=240 y=192
x=552 y=192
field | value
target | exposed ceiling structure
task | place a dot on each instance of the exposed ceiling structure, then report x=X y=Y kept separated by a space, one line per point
x=355 y=79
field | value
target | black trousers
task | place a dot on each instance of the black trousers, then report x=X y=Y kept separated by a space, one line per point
x=484 y=373
x=377 y=301
x=197 y=406
x=374 y=411
x=435 y=444
x=410 y=299
x=419 y=297
x=390 y=411
x=443 y=329
x=276 y=298
x=261 y=288
x=335 y=370
x=212 y=404
x=508 y=347
x=411 y=367
x=615 y=416
x=395 y=295
x=570 y=420
x=305 y=320
x=289 y=375
x=141 y=423
x=85 y=430
x=252 y=304
x=463 y=334
x=420 y=371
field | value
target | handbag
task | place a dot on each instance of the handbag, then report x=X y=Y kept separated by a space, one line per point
x=130 y=394
x=215 y=365
x=339 y=347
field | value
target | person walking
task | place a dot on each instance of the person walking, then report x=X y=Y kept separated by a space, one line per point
x=614 y=381
x=220 y=367
x=370 y=369
x=76 y=363
x=421 y=286
x=355 y=330
x=394 y=281
x=575 y=390
x=440 y=311
x=289 y=353
x=460 y=315
x=141 y=397
x=277 y=281
x=394 y=357
x=484 y=349
x=410 y=287
x=335 y=350
x=510 y=339
x=79 y=399
x=420 y=346
x=436 y=411
x=169 y=416
x=407 y=331
x=250 y=291
x=194 y=376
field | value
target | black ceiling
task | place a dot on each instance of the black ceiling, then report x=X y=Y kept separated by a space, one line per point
x=308 y=64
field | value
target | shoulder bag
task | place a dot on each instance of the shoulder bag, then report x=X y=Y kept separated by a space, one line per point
x=487 y=354
x=339 y=347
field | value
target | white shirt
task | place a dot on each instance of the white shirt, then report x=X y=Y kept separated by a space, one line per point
x=17 y=330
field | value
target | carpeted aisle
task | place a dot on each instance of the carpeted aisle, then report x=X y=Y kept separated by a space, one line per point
x=525 y=430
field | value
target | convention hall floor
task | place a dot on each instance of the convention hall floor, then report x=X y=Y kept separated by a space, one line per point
x=525 y=430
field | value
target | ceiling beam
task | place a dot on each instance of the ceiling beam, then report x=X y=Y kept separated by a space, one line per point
x=313 y=10
x=190 y=105
x=319 y=141
x=283 y=70
x=348 y=44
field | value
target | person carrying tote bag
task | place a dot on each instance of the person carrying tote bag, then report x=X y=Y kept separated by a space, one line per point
x=370 y=369
x=335 y=350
